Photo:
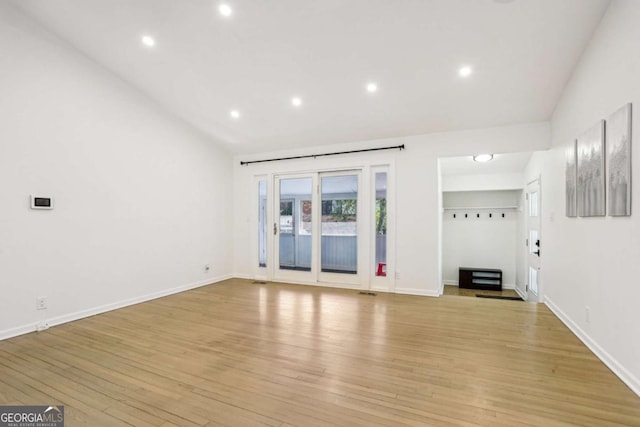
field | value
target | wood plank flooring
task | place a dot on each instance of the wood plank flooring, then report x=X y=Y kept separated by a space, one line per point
x=237 y=353
x=456 y=291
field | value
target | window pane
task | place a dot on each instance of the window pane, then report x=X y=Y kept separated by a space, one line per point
x=381 y=224
x=286 y=216
x=533 y=280
x=533 y=204
x=305 y=217
x=262 y=223
x=533 y=239
x=339 y=244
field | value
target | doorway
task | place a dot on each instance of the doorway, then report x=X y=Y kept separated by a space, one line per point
x=488 y=221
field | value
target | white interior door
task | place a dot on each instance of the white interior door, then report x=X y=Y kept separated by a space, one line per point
x=533 y=241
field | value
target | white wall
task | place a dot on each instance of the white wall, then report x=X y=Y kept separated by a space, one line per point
x=594 y=261
x=142 y=203
x=497 y=181
x=417 y=183
x=484 y=242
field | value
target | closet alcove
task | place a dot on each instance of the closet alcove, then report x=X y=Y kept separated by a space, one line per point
x=480 y=230
x=483 y=222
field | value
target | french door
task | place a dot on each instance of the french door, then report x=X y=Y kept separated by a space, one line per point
x=318 y=228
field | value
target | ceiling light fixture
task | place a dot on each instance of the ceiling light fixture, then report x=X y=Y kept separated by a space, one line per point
x=465 y=71
x=482 y=157
x=225 y=10
x=296 y=101
x=148 y=41
x=372 y=87
x=234 y=114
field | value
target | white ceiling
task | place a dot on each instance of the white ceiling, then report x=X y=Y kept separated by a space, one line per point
x=204 y=65
x=500 y=164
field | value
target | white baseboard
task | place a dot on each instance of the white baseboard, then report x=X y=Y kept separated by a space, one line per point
x=244 y=276
x=419 y=292
x=20 y=330
x=381 y=289
x=627 y=377
x=520 y=293
x=508 y=286
x=59 y=320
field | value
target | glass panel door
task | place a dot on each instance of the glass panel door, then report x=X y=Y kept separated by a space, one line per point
x=318 y=228
x=339 y=227
x=293 y=227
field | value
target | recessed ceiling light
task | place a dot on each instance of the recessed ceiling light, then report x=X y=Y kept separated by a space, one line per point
x=296 y=101
x=225 y=10
x=372 y=87
x=465 y=71
x=148 y=41
x=235 y=114
x=482 y=157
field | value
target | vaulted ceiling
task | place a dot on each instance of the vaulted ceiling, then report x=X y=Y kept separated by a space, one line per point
x=204 y=65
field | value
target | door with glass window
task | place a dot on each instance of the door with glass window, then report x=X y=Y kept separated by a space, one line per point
x=293 y=227
x=339 y=214
x=533 y=241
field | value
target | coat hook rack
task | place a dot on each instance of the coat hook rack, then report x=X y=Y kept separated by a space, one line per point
x=479 y=214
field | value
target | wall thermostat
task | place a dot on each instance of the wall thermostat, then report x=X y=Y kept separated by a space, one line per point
x=38 y=202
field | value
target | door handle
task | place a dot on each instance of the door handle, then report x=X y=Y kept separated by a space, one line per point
x=537 y=252
x=538 y=243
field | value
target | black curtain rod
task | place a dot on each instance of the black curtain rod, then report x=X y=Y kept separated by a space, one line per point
x=399 y=147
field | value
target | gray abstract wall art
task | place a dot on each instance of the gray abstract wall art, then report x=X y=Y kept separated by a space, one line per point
x=570 y=181
x=591 y=176
x=619 y=162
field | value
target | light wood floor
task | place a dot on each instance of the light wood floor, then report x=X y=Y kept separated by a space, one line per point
x=238 y=353
x=456 y=291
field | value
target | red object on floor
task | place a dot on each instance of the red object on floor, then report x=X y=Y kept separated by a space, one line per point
x=382 y=269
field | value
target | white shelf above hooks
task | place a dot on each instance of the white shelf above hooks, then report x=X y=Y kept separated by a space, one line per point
x=469 y=208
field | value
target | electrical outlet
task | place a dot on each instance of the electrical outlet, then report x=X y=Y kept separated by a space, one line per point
x=587 y=314
x=42 y=326
x=41 y=303
x=207 y=268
